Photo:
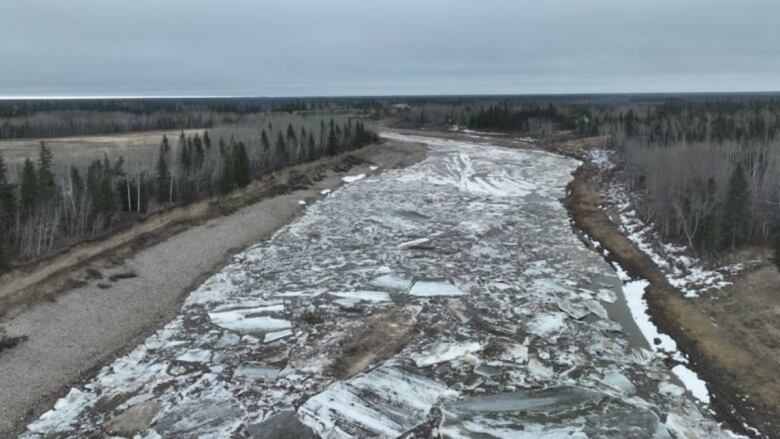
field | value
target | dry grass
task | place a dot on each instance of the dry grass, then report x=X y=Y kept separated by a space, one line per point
x=72 y=150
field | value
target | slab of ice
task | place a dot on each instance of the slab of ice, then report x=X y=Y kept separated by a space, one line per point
x=615 y=379
x=391 y=282
x=435 y=288
x=442 y=352
x=385 y=402
x=413 y=243
x=246 y=321
x=325 y=191
x=61 y=416
x=256 y=371
x=548 y=325
x=363 y=296
x=353 y=178
x=278 y=335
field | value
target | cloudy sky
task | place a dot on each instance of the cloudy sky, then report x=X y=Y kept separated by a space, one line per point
x=379 y=47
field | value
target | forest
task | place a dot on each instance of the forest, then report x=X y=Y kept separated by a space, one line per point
x=47 y=204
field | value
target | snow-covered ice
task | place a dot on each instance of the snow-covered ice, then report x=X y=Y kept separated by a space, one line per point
x=494 y=325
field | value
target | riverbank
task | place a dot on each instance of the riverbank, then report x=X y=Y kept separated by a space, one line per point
x=92 y=304
x=741 y=377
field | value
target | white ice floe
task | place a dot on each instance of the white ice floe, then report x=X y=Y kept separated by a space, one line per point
x=302 y=202
x=278 y=335
x=62 y=415
x=413 y=243
x=325 y=191
x=443 y=352
x=391 y=282
x=245 y=320
x=385 y=402
x=363 y=296
x=373 y=168
x=353 y=178
x=435 y=288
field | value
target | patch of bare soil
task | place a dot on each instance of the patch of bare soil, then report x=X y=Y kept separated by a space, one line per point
x=381 y=336
x=731 y=337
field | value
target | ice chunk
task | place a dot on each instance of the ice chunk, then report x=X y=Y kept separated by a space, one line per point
x=385 y=402
x=614 y=378
x=195 y=356
x=353 y=178
x=273 y=336
x=363 y=296
x=435 y=288
x=548 y=325
x=413 y=243
x=62 y=415
x=256 y=371
x=442 y=352
x=391 y=282
x=246 y=321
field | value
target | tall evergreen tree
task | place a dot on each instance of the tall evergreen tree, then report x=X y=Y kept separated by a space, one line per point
x=737 y=208
x=28 y=188
x=7 y=215
x=163 y=172
x=47 y=187
x=333 y=140
x=241 y=170
x=227 y=181
x=281 y=150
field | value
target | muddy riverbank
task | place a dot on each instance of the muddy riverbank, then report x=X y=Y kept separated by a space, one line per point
x=743 y=383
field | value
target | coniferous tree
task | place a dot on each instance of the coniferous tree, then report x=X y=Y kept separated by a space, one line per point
x=163 y=173
x=227 y=181
x=28 y=188
x=281 y=150
x=333 y=140
x=241 y=169
x=206 y=140
x=7 y=215
x=737 y=208
x=46 y=184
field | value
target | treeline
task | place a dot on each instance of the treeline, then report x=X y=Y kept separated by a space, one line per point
x=24 y=119
x=50 y=205
x=706 y=173
x=64 y=124
x=525 y=118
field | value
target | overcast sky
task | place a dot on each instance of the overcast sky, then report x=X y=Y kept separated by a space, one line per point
x=379 y=47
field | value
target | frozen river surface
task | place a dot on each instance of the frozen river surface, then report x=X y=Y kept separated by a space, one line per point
x=448 y=299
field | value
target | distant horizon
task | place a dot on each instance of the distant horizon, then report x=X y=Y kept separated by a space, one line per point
x=403 y=95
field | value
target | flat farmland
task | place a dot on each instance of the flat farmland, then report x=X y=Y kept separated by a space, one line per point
x=76 y=150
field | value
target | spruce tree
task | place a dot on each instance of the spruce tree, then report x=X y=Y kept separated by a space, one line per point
x=737 y=208
x=241 y=171
x=163 y=173
x=28 y=188
x=281 y=150
x=7 y=215
x=46 y=184
x=227 y=181
x=333 y=141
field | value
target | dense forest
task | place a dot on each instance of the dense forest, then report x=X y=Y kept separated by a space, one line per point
x=48 y=204
x=23 y=119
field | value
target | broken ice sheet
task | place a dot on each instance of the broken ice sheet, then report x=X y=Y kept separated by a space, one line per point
x=442 y=352
x=432 y=288
x=385 y=402
x=247 y=320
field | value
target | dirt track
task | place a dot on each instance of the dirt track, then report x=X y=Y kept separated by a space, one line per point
x=76 y=331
